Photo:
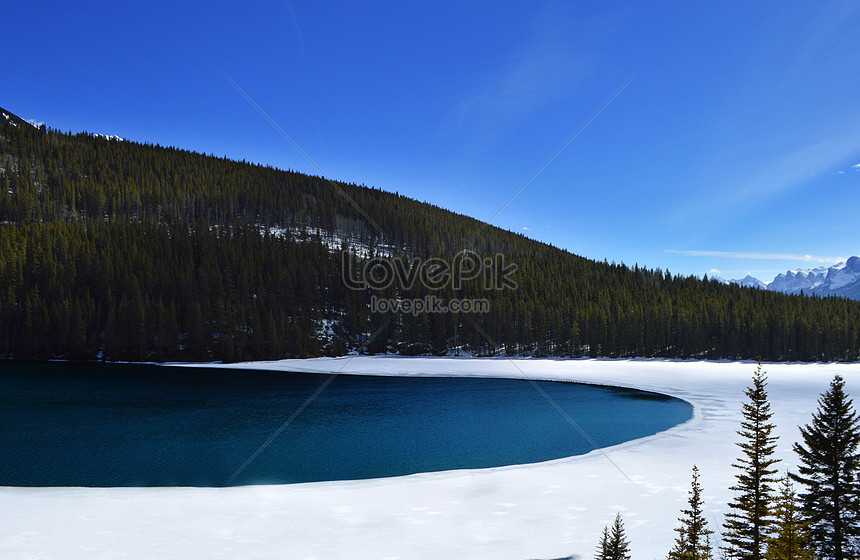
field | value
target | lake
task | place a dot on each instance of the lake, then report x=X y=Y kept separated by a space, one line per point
x=144 y=425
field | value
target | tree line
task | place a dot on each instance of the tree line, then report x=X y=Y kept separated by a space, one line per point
x=769 y=519
x=125 y=251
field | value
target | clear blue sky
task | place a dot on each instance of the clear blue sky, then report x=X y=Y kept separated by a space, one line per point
x=736 y=137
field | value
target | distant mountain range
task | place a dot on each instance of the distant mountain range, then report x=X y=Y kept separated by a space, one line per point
x=842 y=280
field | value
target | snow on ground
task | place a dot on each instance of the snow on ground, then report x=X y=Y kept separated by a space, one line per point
x=333 y=240
x=539 y=511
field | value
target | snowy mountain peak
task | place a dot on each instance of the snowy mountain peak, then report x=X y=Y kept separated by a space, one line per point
x=841 y=279
x=750 y=282
x=747 y=281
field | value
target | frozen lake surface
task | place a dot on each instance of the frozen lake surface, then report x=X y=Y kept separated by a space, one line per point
x=145 y=425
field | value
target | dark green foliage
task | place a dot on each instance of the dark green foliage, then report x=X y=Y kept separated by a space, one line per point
x=604 y=549
x=613 y=543
x=790 y=539
x=694 y=537
x=748 y=522
x=828 y=472
x=142 y=291
x=84 y=219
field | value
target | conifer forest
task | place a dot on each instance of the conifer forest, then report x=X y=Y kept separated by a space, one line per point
x=116 y=250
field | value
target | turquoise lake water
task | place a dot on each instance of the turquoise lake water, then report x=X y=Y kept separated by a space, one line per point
x=143 y=425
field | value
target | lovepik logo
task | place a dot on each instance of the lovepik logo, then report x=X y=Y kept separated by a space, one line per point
x=465 y=269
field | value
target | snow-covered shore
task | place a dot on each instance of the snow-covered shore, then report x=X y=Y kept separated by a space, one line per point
x=545 y=510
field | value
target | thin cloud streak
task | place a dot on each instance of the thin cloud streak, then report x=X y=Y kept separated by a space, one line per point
x=749 y=183
x=757 y=256
x=545 y=67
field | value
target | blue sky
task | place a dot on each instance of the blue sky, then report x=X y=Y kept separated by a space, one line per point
x=734 y=147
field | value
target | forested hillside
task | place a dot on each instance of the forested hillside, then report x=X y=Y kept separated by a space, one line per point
x=116 y=250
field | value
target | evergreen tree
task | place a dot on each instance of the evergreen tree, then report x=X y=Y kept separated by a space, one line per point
x=603 y=548
x=828 y=471
x=790 y=540
x=694 y=538
x=613 y=544
x=747 y=525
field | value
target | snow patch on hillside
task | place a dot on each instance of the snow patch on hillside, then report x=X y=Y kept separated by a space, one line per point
x=334 y=241
x=110 y=137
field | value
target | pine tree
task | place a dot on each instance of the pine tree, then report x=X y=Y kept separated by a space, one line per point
x=603 y=548
x=613 y=544
x=747 y=525
x=694 y=538
x=790 y=540
x=828 y=471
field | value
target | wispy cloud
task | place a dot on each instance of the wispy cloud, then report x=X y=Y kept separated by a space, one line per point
x=756 y=256
x=546 y=65
x=297 y=31
x=741 y=181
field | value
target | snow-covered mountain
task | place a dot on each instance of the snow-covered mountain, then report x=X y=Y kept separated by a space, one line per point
x=747 y=282
x=805 y=279
x=841 y=279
